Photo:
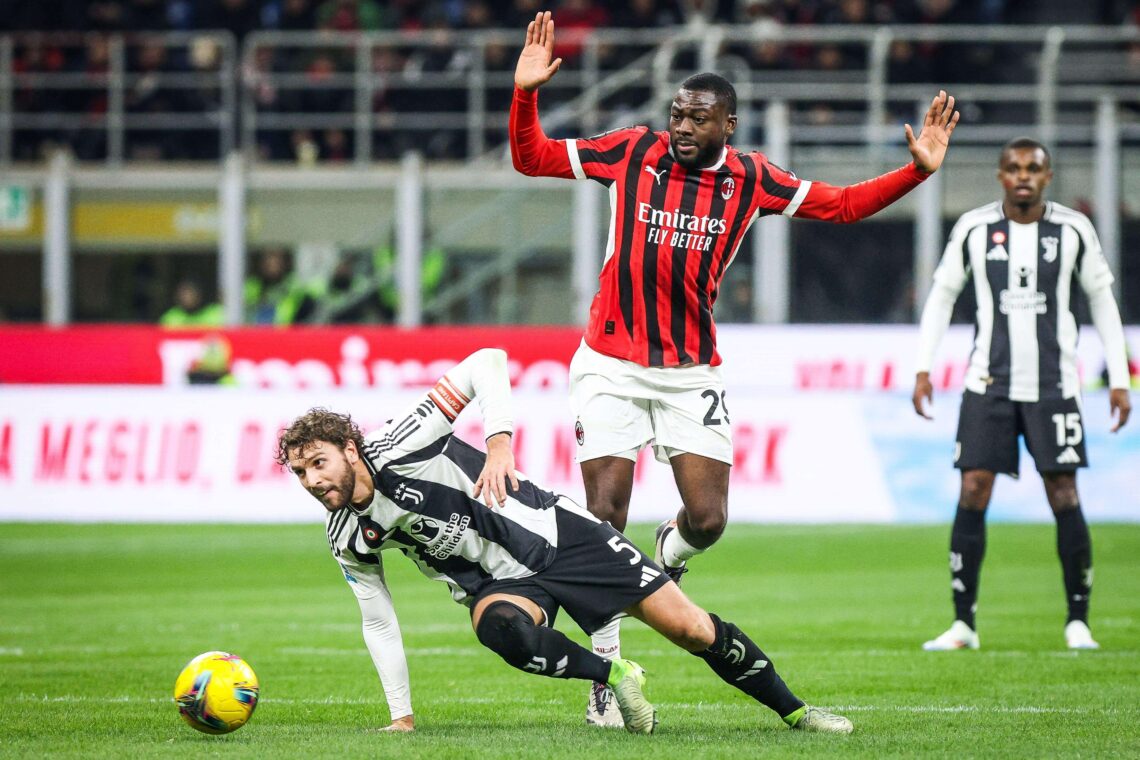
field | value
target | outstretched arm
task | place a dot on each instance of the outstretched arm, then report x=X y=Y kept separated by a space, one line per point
x=382 y=637
x=818 y=200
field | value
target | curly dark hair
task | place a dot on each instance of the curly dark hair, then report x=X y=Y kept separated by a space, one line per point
x=318 y=425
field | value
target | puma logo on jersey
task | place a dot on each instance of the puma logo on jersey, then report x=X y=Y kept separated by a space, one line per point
x=1069 y=456
x=657 y=175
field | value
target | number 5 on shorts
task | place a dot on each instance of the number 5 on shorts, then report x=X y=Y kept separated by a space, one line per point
x=618 y=546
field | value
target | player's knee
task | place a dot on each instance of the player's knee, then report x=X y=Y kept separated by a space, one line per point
x=608 y=510
x=508 y=632
x=1061 y=491
x=706 y=523
x=977 y=485
x=694 y=631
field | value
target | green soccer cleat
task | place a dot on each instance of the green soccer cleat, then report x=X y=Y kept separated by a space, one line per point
x=820 y=721
x=627 y=679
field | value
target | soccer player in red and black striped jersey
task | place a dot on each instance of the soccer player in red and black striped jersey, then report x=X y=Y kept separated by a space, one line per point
x=681 y=201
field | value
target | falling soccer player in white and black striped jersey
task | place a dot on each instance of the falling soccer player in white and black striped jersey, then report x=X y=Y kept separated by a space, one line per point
x=511 y=552
x=1024 y=254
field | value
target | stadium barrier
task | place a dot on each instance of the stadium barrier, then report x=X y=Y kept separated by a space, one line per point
x=821 y=417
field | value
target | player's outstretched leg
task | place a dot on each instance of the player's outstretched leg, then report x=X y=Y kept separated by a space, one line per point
x=601 y=708
x=510 y=632
x=740 y=662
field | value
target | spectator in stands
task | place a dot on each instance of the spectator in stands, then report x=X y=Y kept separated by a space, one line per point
x=146 y=15
x=644 y=14
x=355 y=16
x=350 y=296
x=212 y=367
x=576 y=19
x=147 y=94
x=274 y=295
x=239 y=17
x=384 y=274
x=190 y=308
x=291 y=15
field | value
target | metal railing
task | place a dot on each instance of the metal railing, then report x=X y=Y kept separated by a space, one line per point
x=446 y=93
x=63 y=86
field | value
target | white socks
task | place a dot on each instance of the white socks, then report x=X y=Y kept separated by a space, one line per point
x=606 y=640
x=676 y=549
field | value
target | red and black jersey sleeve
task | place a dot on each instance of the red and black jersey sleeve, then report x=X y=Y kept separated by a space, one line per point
x=785 y=193
x=534 y=154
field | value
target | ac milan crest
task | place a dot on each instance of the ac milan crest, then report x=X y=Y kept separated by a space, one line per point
x=727 y=188
x=579 y=432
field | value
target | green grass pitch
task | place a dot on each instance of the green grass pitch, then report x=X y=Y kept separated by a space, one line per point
x=97 y=620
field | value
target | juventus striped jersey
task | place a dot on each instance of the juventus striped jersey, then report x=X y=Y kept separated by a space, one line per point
x=424 y=478
x=674 y=232
x=1026 y=335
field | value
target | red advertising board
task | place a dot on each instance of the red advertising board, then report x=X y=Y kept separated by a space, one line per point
x=268 y=357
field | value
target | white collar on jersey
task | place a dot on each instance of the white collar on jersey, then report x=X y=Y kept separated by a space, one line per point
x=1048 y=212
x=714 y=167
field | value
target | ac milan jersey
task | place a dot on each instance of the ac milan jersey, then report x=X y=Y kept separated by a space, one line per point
x=673 y=232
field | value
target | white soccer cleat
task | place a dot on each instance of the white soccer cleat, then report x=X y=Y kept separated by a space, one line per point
x=958 y=636
x=820 y=721
x=602 y=709
x=1078 y=636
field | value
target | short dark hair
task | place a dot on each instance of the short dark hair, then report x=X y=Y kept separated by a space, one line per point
x=717 y=85
x=1026 y=142
x=318 y=425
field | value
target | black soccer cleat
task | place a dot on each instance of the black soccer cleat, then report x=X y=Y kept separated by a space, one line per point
x=663 y=530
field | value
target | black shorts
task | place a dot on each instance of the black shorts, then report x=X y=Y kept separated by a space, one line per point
x=597 y=572
x=988 y=427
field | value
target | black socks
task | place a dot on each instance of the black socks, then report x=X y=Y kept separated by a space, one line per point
x=511 y=633
x=1075 y=550
x=967 y=549
x=740 y=663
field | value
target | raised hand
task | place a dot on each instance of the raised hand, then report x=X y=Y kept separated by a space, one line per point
x=535 y=67
x=929 y=148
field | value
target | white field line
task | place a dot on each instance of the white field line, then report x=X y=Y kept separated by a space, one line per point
x=684 y=706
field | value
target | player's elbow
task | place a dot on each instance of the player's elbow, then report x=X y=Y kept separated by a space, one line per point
x=524 y=166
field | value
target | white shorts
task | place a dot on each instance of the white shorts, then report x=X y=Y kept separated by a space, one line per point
x=620 y=406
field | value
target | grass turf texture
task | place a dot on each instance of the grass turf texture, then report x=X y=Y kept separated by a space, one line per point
x=96 y=621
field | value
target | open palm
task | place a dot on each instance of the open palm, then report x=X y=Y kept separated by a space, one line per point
x=535 y=67
x=929 y=149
